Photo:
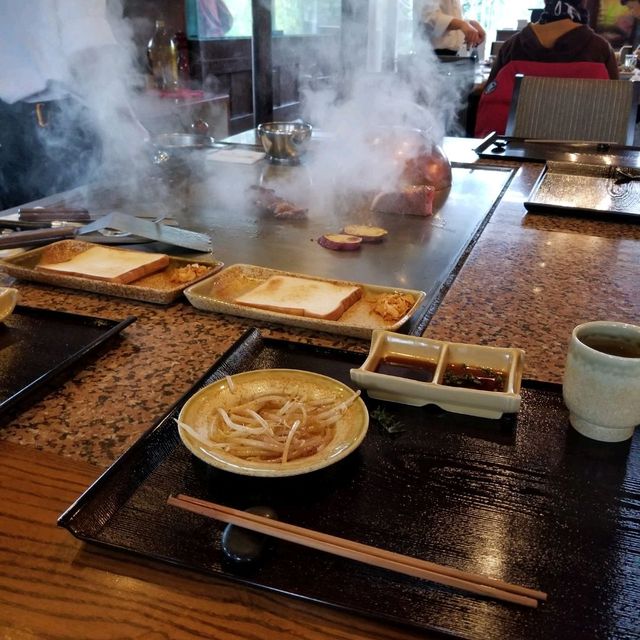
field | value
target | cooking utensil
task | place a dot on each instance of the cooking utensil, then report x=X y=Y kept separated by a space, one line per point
x=161 y=232
x=621 y=176
x=174 y=151
x=178 y=141
x=120 y=222
x=416 y=567
x=285 y=142
x=40 y=236
x=21 y=225
x=49 y=214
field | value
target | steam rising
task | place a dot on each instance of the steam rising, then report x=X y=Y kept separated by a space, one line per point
x=421 y=94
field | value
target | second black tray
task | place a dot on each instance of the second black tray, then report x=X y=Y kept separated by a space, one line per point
x=36 y=345
x=524 y=499
x=500 y=147
x=605 y=192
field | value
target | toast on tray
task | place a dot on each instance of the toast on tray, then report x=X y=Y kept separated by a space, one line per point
x=302 y=297
x=108 y=264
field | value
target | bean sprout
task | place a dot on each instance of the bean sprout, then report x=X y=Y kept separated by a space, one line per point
x=271 y=427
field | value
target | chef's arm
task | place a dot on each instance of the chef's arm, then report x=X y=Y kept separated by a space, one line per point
x=437 y=23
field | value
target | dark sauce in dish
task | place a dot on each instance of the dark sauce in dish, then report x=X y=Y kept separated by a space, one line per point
x=407 y=367
x=482 y=378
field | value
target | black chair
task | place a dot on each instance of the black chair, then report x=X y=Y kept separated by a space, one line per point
x=576 y=109
x=496 y=46
x=505 y=34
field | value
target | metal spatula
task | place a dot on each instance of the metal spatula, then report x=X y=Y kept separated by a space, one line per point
x=157 y=231
x=117 y=221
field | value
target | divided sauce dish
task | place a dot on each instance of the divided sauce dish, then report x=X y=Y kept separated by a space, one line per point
x=476 y=380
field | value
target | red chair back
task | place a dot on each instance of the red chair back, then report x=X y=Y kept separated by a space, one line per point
x=495 y=101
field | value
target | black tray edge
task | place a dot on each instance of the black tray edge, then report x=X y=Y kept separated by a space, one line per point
x=532 y=151
x=66 y=518
x=117 y=327
x=547 y=209
x=253 y=339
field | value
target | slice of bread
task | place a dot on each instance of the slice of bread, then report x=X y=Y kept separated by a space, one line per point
x=302 y=297
x=110 y=264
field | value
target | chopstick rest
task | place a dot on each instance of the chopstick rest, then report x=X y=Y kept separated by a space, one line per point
x=470 y=582
x=243 y=546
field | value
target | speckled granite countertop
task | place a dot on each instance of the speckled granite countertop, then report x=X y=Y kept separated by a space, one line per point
x=526 y=283
x=531 y=278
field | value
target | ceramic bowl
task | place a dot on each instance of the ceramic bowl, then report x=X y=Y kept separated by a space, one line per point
x=432 y=360
x=197 y=413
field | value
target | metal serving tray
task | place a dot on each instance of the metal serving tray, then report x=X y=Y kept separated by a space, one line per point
x=218 y=293
x=575 y=188
x=524 y=499
x=157 y=287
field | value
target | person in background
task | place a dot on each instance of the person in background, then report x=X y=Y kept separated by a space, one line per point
x=210 y=18
x=634 y=14
x=562 y=34
x=61 y=85
x=560 y=44
x=447 y=30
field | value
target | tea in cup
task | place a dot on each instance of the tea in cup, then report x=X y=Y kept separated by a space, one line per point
x=601 y=384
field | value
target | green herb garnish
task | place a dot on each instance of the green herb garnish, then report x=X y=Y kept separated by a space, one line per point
x=389 y=423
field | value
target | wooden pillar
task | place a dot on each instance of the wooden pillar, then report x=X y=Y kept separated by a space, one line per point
x=262 y=59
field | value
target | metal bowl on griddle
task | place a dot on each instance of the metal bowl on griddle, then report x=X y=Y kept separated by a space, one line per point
x=180 y=153
x=183 y=141
x=285 y=142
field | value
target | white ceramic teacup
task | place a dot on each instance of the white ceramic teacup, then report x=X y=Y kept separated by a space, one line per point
x=8 y=299
x=601 y=384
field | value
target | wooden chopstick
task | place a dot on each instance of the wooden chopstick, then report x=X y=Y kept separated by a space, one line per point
x=471 y=582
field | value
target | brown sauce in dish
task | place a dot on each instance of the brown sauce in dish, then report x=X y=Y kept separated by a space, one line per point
x=407 y=367
x=482 y=378
x=613 y=345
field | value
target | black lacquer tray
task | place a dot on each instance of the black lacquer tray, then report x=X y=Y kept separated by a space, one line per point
x=604 y=192
x=36 y=345
x=524 y=499
x=500 y=147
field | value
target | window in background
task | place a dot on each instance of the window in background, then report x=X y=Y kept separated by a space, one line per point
x=290 y=17
x=306 y=17
x=499 y=14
